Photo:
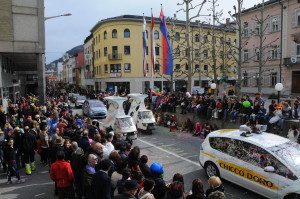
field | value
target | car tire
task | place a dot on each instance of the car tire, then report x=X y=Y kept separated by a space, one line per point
x=211 y=169
x=292 y=196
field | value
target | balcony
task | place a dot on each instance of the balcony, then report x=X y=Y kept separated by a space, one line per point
x=115 y=56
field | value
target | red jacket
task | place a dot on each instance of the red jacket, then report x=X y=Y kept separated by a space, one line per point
x=61 y=173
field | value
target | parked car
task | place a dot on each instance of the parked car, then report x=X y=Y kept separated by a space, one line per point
x=79 y=101
x=264 y=163
x=94 y=109
x=74 y=97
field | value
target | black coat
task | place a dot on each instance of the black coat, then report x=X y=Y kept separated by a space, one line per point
x=145 y=170
x=83 y=142
x=101 y=186
x=87 y=177
x=210 y=190
x=159 y=190
x=28 y=141
x=125 y=196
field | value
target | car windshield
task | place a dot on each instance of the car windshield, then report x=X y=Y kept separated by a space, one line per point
x=81 y=98
x=147 y=115
x=290 y=153
x=96 y=104
x=125 y=122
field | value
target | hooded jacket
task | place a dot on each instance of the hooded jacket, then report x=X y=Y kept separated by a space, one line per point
x=28 y=141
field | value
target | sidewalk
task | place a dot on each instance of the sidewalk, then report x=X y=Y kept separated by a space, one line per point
x=36 y=186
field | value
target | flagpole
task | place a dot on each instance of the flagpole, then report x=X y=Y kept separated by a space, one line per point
x=152 y=61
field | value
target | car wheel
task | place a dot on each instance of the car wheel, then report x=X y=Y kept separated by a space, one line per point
x=292 y=196
x=211 y=169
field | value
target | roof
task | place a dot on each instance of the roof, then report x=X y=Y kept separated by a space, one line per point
x=139 y=18
x=265 y=140
x=270 y=2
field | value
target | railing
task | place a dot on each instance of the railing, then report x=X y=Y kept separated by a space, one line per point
x=115 y=56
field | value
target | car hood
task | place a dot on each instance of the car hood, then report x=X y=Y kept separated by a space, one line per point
x=80 y=101
x=98 y=109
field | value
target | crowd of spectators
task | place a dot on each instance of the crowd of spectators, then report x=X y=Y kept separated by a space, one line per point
x=84 y=161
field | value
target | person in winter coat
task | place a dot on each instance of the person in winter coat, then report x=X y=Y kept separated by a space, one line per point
x=10 y=159
x=145 y=192
x=77 y=161
x=61 y=173
x=131 y=187
x=145 y=169
x=83 y=141
x=29 y=145
x=87 y=175
x=197 y=190
x=215 y=184
x=157 y=171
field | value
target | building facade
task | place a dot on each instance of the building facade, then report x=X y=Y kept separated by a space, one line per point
x=88 y=82
x=279 y=35
x=22 y=48
x=118 y=55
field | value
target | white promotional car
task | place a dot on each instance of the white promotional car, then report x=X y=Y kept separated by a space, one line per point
x=262 y=162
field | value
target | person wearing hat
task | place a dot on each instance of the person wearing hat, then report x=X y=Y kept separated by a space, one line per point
x=58 y=146
x=29 y=145
x=131 y=187
x=157 y=172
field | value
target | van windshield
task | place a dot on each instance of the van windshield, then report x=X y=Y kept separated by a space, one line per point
x=125 y=122
x=147 y=115
x=290 y=153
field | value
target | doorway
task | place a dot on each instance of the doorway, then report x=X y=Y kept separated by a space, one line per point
x=295 y=82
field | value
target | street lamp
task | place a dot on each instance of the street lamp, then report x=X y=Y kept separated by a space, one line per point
x=213 y=86
x=279 y=87
x=64 y=15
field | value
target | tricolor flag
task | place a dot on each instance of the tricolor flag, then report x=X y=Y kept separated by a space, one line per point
x=153 y=53
x=167 y=57
x=145 y=63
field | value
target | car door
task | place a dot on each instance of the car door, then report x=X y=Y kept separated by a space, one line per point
x=257 y=178
x=231 y=168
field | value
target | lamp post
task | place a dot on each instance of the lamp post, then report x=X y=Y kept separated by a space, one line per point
x=278 y=87
x=213 y=86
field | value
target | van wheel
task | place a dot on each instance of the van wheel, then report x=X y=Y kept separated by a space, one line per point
x=292 y=196
x=211 y=169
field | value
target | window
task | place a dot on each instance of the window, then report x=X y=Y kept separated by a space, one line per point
x=156 y=34
x=274 y=24
x=245 y=80
x=99 y=53
x=177 y=67
x=156 y=67
x=105 y=35
x=298 y=50
x=229 y=41
x=221 y=54
x=273 y=79
x=197 y=53
x=186 y=67
x=127 y=33
x=126 y=50
x=222 y=40
x=177 y=36
x=246 y=30
x=214 y=40
x=157 y=51
x=205 y=39
x=205 y=68
x=127 y=68
x=274 y=52
x=229 y=54
x=197 y=38
x=245 y=55
x=177 y=51
x=32 y=77
x=105 y=51
x=147 y=33
x=257 y=54
x=115 y=68
x=257 y=29
x=105 y=68
x=197 y=67
x=114 y=33
x=205 y=53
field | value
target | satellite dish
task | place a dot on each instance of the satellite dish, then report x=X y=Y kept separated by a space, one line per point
x=293 y=60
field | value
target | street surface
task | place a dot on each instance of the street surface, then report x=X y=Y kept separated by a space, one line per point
x=178 y=152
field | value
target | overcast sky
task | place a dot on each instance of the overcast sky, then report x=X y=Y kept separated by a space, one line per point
x=64 y=33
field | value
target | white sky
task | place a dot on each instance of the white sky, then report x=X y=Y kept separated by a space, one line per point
x=64 y=33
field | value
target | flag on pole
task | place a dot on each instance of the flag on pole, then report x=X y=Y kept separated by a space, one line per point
x=167 y=56
x=153 y=53
x=145 y=63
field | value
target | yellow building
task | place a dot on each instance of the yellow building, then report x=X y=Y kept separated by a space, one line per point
x=118 y=54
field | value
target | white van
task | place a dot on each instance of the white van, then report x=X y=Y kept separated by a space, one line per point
x=261 y=162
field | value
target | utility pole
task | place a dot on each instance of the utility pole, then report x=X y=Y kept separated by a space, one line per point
x=188 y=48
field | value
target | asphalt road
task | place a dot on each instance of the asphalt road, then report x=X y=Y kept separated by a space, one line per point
x=178 y=152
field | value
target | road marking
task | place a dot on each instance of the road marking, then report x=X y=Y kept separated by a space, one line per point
x=169 y=152
x=39 y=194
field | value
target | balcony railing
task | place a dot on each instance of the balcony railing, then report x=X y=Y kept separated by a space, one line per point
x=115 y=56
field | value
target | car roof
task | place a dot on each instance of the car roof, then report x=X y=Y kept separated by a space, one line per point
x=264 y=139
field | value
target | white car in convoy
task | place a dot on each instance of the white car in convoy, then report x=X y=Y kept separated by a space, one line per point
x=79 y=101
x=262 y=162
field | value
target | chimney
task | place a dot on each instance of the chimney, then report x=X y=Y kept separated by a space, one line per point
x=227 y=21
